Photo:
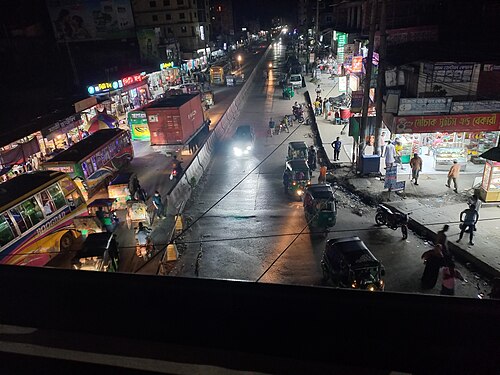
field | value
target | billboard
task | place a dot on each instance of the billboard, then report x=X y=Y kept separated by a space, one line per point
x=85 y=20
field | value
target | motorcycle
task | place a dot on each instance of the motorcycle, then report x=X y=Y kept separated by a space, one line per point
x=393 y=220
x=176 y=171
x=299 y=115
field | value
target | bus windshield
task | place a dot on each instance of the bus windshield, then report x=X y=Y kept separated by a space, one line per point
x=36 y=212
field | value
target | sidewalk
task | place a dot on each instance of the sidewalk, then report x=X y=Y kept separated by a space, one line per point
x=430 y=204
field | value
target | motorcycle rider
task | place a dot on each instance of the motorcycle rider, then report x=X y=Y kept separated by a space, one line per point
x=143 y=240
x=176 y=165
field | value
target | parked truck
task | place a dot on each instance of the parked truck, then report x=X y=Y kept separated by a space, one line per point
x=174 y=120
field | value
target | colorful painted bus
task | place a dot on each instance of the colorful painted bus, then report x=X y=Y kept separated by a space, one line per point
x=94 y=161
x=36 y=217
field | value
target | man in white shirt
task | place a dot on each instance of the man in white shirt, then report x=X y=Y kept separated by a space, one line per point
x=390 y=155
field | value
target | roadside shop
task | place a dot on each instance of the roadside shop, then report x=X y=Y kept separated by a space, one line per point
x=445 y=138
x=122 y=95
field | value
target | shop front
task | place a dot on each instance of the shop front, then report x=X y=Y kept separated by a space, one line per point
x=441 y=139
x=123 y=95
x=62 y=134
x=170 y=75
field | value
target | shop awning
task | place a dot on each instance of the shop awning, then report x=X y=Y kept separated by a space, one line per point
x=20 y=153
x=491 y=154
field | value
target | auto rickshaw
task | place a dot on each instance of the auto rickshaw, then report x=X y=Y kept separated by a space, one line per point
x=100 y=217
x=99 y=252
x=296 y=177
x=320 y=207
x=288 y=92
x=297 y=151
x=207 y=97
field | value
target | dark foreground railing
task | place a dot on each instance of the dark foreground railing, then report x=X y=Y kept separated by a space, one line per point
x=144 y=323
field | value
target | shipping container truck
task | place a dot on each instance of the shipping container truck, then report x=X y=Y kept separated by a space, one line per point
x=173 y=120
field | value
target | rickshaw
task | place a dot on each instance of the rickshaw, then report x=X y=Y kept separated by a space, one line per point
x=100 y=217
x=320 y=206
x=137 y=212
x=297 y=151
x=296 y=177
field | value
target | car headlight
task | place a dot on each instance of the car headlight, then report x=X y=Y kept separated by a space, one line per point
x=249 y=148
x=300 y=192
x=237 y=151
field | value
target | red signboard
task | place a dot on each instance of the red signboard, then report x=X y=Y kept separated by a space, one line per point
x=132 y=79
x=357 y=64
x=475 y=122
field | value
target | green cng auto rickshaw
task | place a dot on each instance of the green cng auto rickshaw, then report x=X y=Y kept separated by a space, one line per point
x=348 y=263
x=296 y=177
x=297 y=151
x=320 y=206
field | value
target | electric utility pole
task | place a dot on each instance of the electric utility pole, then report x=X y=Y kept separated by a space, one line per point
x=368 y=77
x=380 y=76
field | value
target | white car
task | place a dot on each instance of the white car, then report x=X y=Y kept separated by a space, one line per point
x=296 y=80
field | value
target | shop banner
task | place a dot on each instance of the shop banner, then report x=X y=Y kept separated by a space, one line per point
x=424 y=106
x=62 y=126
x=448 y=123
x=391 y=177
x=357 y=64
x=479 y=106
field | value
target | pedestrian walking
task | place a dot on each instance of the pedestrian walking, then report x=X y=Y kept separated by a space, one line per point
x=416 y=167
x=381 y=144
x=318 y=90
x=449 y=274
x=337 y=146
x=272 y=125
x=453 y=175
x=433 y=260
x=328 y=107
x=322 y=175
x=158 y=206
x=442 y=239
x=389 y=155
x=468 y=221
x=316 y=107
x=311 y=158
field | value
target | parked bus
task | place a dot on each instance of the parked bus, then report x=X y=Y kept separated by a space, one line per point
x=94 y=161
x=218 y=73
x=36 y=213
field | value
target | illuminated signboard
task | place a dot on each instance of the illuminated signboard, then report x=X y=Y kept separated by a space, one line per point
x=167 y=65
x=132 y=79
x=115 y=85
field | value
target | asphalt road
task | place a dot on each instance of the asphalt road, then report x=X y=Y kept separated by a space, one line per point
x=243 y=227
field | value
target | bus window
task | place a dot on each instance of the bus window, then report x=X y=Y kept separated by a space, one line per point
x=7 y=230
x=74 y=200
x=47 y=204
x=27 y=214
x=57 y=196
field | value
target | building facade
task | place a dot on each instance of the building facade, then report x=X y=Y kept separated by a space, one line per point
x=172 y=27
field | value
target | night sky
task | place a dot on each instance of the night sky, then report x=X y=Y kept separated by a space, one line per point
x=264 y=10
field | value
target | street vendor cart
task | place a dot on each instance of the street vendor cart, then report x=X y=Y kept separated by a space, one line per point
x=119 y=190
x=137 y=212
x=207 y=97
